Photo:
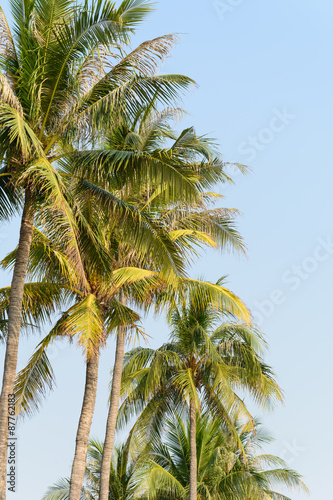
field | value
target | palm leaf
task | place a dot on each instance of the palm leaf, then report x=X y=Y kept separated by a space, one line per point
x=15 y=131
x=84 y=321
x=35 y=380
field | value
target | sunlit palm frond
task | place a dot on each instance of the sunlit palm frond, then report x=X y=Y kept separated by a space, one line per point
x=84 y=322
x=206 y=295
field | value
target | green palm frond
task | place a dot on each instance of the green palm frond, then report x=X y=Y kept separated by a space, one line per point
x=118 y=314
x=130 y=97
x=60 y=491
x=185 y=381
x=249 y=334
x=133 y=12
x=35 y=380
x=89 y=28
x=284 y=477
x=160 y=480
x=190 y=237
x=47 y=262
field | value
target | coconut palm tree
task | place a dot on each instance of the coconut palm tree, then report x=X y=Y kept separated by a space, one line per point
x=204 y=365
x=224 y=470
x=58 y=88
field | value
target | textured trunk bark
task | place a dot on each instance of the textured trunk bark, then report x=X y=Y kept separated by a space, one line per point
x=112 y=416
x=83 y=431
x=193 y=449
x=14 y=325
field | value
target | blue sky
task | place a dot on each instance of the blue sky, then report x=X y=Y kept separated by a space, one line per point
x=265 y=77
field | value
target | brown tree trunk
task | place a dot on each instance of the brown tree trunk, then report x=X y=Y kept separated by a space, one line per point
x=112 y=416
x=83 y=430
x=14 y=326
x=193 y=449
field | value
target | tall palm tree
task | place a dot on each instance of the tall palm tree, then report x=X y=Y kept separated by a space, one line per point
x=203 y=366
x=57 y=89
x=224 y=470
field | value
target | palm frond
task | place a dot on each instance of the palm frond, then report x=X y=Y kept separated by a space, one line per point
x=35 y=380
x=203 y=295
x=40 y=301
x=15 y=131
x=84 y=321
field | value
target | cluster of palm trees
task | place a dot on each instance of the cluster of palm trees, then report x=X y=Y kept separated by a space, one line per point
x=115 y=206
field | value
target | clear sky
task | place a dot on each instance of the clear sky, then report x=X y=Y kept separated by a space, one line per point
x=265 y=75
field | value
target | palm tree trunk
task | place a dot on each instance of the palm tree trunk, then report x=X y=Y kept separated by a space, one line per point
x=112 y=416
x=14 y=326
x=193 y=449
x=83 y=430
